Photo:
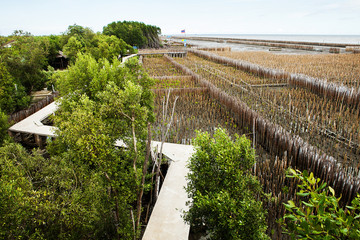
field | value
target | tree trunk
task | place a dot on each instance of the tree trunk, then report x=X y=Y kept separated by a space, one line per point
x=164 y=133
x=141 y=190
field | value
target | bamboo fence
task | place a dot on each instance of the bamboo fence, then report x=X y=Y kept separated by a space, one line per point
x=332 y=127
x=280 y=142
x=336 y=92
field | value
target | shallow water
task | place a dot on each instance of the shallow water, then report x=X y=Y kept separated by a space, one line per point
x=348 y=39
x=351 y=39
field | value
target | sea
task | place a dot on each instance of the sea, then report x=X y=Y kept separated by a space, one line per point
x=351 y=39
x=347 y=39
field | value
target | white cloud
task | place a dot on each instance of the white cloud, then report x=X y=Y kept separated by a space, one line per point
x=331 y=6
x=354 y=4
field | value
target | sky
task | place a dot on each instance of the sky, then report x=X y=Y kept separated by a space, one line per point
x=319 y=17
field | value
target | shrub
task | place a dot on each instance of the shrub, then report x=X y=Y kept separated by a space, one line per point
x=318 y=214
x=223 y=190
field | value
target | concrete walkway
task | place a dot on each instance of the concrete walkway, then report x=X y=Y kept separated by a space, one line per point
x=166 y=222
x=33 y=124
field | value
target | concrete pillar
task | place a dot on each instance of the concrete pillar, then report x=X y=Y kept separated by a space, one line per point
x=22 y=137
x=39 y=141
x=11 y=134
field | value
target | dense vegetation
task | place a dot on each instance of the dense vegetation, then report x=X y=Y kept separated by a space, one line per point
x=3 y=127
x=27 y=61
x=81 y=186
x=135 y=33
x=84 y=187
x=79 y=39
x=21 y=70
x=223 y=189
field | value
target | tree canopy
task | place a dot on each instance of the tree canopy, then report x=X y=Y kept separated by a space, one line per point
x=12 y=94
x=80 y=39
x=49 y=198
x=25 y=59
x=3 y=127
x=135 y=33
x=82 y=186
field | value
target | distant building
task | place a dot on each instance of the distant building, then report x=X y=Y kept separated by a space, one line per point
x=61 y=61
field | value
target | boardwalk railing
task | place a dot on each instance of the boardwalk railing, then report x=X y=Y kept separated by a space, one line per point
x=170 y=54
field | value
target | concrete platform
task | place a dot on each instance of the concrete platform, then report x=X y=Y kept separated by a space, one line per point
x=33 y=124
x=166 y=222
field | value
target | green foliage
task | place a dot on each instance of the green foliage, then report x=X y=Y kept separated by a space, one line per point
x=53 y=43
x=83 y=34
x=318 y=214
x=102 y=102
x=85 y=137
x=108 y=47
x=72 y=48
x=54 y=48
x=50 y=198
x=223 y=190
x=3 y=127
x=114 y=95
x=86 y=188
x=88 y=76
x=25 y=60
x=78 y=39
x=12 y=93
x=135 y=33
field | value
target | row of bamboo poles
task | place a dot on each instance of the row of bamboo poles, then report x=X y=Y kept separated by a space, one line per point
x=195 y=110
x=343 y=69
x=272 y=175
x=280 y=142
x=317 y=120
x=198 y=90
x=336 y=92
x=353 y=49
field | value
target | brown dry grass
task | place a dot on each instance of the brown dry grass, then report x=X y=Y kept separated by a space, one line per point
x=340 y=68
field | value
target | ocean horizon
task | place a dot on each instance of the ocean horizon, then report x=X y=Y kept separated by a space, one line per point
x=350 y=39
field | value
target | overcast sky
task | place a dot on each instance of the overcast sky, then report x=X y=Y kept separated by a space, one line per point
x=44 y=17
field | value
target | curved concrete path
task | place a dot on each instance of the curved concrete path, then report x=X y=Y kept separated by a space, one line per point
x=165 y=222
